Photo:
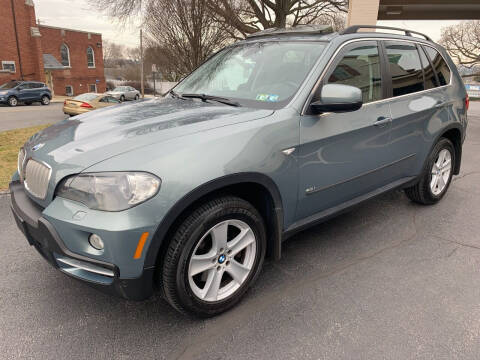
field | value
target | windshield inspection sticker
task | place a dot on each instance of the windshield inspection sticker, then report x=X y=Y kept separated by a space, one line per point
x=267 y=97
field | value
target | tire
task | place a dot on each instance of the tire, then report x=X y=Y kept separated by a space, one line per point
x=137 y=97
x=188 y=292
x=45 y=100
x=425 y=192
x=122 y=98
x=12 y=101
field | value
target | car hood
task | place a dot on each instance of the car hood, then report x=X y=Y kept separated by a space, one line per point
x=75 y=144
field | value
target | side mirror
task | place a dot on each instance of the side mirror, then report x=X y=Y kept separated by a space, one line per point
x=338 y=98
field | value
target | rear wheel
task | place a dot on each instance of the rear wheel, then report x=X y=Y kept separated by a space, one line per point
x=45 y=100
x=122 y=98
x=214 y=256
x=437 y=175
x=12 y=101
x=136 y=97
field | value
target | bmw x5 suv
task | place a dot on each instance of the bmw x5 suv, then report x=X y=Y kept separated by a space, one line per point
x=189 y=193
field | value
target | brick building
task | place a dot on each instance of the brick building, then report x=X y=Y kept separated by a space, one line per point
x=69 y=61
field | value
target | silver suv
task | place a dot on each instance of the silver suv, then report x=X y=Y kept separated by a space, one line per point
x=189 y=193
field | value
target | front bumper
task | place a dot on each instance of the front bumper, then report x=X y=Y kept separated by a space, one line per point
x=41 y=234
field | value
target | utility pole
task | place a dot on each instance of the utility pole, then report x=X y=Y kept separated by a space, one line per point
x=141 y=65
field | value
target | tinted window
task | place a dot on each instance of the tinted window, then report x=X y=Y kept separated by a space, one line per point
x=441 y=67
x=360 y=67
x=9 y=85
x=405 y=68
x=430 y=78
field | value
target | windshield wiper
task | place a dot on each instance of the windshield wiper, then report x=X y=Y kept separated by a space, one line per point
x=175 y=95
x=205 y=97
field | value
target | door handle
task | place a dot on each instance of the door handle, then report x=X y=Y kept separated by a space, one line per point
x=382 y=120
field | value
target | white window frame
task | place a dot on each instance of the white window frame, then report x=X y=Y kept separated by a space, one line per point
x=71 y=87
x=93 y=56
x=93 y=85
x=8 y=62
x=68 y=53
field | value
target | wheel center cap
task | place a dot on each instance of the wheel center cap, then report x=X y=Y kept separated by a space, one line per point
x=221 y=259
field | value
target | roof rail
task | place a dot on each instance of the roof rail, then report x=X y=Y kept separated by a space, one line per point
x=300 y=29
x=354 y=29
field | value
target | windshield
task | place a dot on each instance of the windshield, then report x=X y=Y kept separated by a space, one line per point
x=9 y=85
x=86 y=97
x=259 y=74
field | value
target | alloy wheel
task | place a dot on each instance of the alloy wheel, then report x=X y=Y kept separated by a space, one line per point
x=222 y=260
x=441 y=170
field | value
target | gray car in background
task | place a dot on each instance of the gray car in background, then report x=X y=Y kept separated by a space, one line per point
x=189 y=193
x=123 y=93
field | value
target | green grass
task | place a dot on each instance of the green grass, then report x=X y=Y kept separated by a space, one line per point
x=10 y=142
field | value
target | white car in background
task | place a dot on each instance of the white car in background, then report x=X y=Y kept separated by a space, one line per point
x=123 y=93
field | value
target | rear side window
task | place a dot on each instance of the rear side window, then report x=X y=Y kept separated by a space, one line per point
x=360 y=67
x=441 y=67
x=405 y=67
x=430 y=76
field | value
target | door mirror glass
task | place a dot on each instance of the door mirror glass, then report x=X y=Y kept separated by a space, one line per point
x=337 y=98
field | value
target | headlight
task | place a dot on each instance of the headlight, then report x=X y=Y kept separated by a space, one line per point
x=110 y=191
x=3 y=92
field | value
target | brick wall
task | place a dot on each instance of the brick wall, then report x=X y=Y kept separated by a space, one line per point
x=79 y=75
x=31 y=65
x=32 y=48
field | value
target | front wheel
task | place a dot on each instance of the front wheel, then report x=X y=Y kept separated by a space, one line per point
x=122 y=98
x=12 y=101
x=45 y=100
x=437 y=175
x=137 y=97
x=214 y=256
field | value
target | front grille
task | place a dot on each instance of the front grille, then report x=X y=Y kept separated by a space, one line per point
x=20 y=161
x=37 y=176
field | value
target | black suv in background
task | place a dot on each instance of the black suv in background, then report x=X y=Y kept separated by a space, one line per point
x=27 y=92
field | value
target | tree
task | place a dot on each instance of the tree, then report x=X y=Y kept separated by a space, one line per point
x=462 y=41
x=184 y=33
x=249 y=16
x=112 y=53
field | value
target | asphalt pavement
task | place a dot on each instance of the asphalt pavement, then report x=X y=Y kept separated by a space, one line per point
x=23 y=116
x=389 y=280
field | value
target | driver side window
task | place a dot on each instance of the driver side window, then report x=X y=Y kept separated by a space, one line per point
x=360 y=67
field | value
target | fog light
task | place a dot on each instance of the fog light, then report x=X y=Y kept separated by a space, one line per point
x=96 y=241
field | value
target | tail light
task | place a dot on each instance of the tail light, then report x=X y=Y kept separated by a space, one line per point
x=467 y=102
x=64 y=102
x=86 y=105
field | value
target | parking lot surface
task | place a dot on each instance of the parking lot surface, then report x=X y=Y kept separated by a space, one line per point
x=389 y=280
x=24 y=116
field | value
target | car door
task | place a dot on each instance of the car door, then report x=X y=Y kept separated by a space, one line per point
x=345 y=155
x=24 y=92
x=416 y=104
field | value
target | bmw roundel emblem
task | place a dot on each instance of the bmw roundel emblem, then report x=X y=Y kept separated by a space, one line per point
x=38 y=146
x=221 y=259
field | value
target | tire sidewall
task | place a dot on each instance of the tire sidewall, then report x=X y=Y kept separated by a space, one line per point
x=195 y=233
x=122 y=98
x=45 y=100
x=442 y=144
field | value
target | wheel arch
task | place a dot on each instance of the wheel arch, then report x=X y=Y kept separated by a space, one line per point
x=256 y=188
x=454 y=134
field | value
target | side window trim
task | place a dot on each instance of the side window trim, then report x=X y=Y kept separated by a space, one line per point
x=385 y=69
x=417 y=46
x=431 y=64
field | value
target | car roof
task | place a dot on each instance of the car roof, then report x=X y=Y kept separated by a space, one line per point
x=326 y=34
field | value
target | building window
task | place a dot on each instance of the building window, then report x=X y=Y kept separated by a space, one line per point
x=69 y=90
x=92 y=88
x=90 y=57
x=9 y=66
x=65 y=55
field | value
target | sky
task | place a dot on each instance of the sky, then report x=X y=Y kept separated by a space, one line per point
x=77 y=14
